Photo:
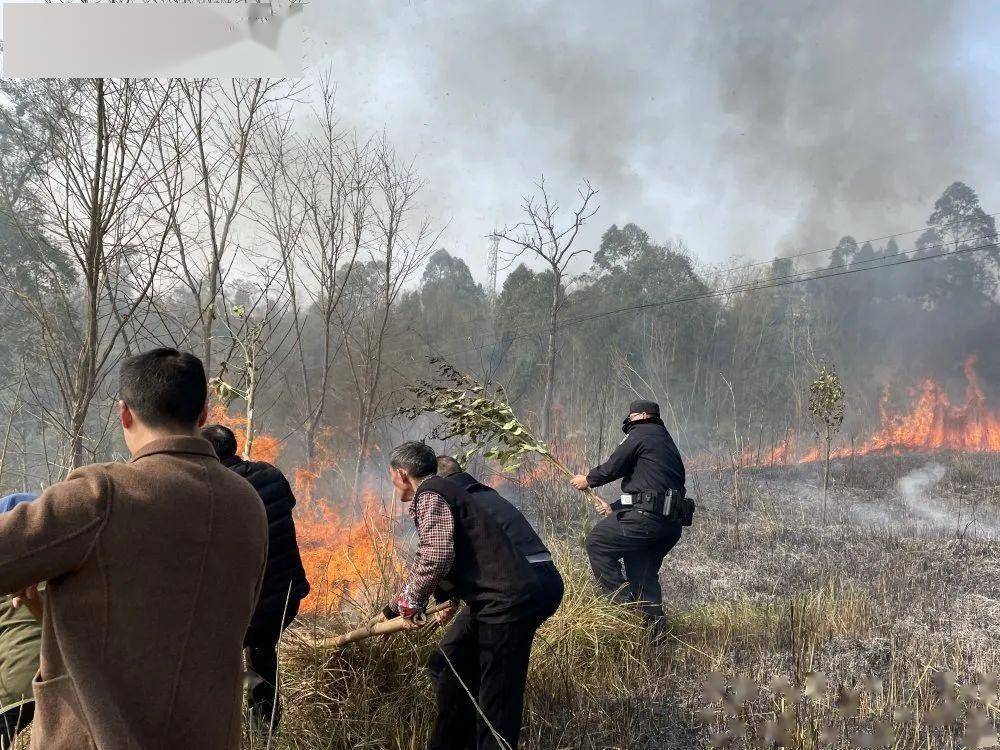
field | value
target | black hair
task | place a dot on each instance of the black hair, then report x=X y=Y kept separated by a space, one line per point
x=223 y=440
x=164 y=387
x=416 y=458
x=448 y=465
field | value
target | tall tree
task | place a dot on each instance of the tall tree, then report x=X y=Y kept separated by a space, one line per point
x=441 y=308
x=221 y=120
x=111 y=209
x=543 y=234
x=336 y=191
x=396 y=242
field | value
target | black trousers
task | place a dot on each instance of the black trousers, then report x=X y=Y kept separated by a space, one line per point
x=12 y=721
x=261 y=648
x=640 y=540
x=490 y=662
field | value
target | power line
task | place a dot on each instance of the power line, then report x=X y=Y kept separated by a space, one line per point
x=798 y=277
x=809 y=253
x=475 y=323
x=774 y=282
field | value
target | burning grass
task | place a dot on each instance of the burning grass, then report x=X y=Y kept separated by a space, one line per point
x=593 y=681
x=349 y=549
x=350 y=561
x=881 y=610
x=902 y=627
x=807 y=635
x=932 y=423
x=884 y=616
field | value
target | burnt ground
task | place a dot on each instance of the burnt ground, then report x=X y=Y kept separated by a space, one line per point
x=901 y=581
x=894 y=598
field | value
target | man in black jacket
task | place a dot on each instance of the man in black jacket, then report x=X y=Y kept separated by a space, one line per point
x=284 y=584
x=641 y=529
x=459 y=645
x=464 y=556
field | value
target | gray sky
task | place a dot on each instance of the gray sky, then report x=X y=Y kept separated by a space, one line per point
x=745 y=128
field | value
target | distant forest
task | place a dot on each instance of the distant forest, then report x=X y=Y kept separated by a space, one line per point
x=648 y=319
x=297 y=263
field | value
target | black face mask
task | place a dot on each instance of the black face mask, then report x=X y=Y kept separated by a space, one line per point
x=628 y=424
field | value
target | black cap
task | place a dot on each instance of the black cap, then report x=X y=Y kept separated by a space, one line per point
x=650 y=407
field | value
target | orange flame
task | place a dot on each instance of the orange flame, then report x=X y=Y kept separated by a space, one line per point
x=346 y=561
x=934 y=423
x=265 y=447
x=937 y=424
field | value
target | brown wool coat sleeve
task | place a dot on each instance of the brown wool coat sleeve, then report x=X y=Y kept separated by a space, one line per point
x=53 y=535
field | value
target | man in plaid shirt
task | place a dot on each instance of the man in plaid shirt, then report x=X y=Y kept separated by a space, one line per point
x=464 y=555
x=435 y=553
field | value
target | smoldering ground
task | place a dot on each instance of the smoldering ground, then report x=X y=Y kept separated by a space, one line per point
x=913 y=496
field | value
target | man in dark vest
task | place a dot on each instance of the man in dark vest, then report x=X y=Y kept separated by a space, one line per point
x=285 y=583
x=463 y=555
x=459 y=644
x=645 y=524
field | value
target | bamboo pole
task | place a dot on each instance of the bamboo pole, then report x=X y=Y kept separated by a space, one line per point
x=385 y=627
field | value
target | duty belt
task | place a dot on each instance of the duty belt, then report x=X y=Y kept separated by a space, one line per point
x=541 y=557
x=655 y=502
x=671 y=504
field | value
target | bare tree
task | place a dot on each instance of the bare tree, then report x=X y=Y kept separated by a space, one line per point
x=541 y=235
x=317 y=200
x=223 y=120
x=256 y=332
x=397 y=243
x=109 y=208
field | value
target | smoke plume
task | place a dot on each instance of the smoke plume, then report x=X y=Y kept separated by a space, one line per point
x=744 y=127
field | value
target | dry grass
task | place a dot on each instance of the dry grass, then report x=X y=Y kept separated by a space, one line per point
x=896 y=619
x=591 y=680
x=883 y=614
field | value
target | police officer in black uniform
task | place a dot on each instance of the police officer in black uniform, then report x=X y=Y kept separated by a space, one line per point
x=642 y=527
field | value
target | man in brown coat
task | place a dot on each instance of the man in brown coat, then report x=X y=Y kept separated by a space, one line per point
x=153 y=570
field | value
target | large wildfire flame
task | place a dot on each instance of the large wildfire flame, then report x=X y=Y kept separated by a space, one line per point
x=933 y=423
x=347 y=561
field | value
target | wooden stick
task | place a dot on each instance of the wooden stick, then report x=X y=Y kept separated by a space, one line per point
x=589 y=492
x=384 y=627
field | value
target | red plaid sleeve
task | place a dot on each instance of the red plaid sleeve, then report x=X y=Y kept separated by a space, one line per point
x=435 y=552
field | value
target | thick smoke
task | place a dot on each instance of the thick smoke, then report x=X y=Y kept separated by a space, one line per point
x=745 y=127
x=857 y=107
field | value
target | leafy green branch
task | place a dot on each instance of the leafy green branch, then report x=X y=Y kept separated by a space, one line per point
x=480 y=418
